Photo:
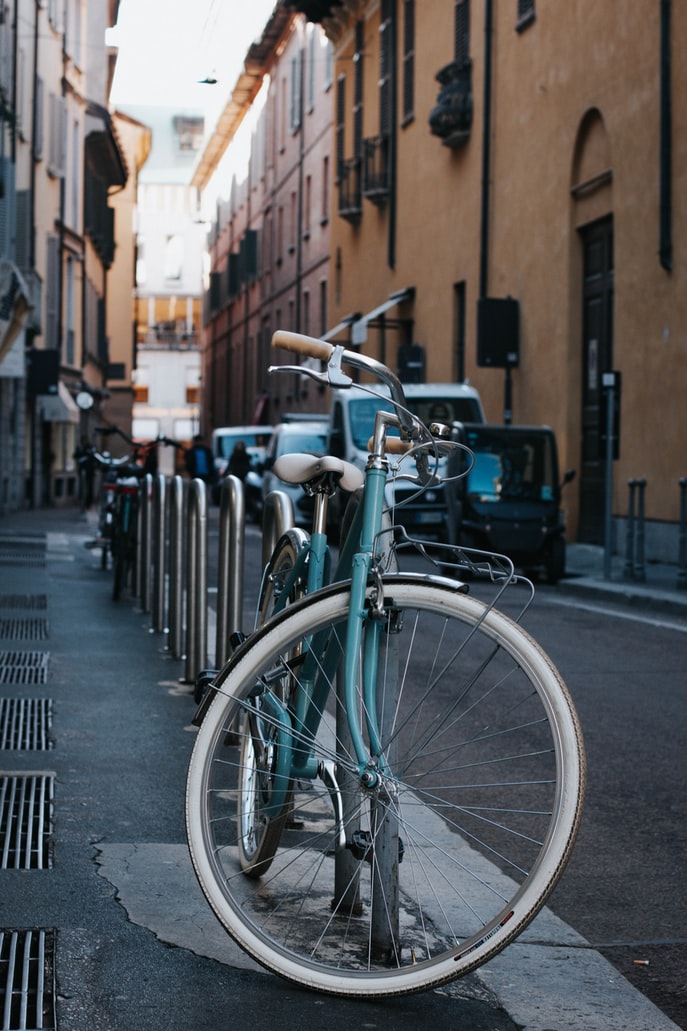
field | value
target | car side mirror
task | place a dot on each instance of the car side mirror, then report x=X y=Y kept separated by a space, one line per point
x=569 y=477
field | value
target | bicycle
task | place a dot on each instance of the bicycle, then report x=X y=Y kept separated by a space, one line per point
x=389 y=774
x=118 y=526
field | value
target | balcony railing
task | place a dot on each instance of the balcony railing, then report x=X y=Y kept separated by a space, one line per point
x=376 y=177
x=350 y=192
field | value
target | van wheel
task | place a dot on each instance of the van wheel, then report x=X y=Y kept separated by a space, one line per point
x=555 y=560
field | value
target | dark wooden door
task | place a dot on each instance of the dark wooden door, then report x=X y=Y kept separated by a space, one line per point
x=597 y=358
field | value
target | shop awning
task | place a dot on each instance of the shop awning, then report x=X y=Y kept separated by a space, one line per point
x=360 y=322
x=393 y=299
x=59 y=407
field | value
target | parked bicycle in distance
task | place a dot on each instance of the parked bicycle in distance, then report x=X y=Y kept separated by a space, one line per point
x=120 y=501
x=388 y=776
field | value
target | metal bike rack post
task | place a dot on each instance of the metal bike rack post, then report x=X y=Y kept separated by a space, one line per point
x=682 y=537
x=143 y=552
x=175 y=610
x=232 y=527
x=640 y=568
x=628 y=571
x=196 y=582
x=159 y=551
x=277 y=518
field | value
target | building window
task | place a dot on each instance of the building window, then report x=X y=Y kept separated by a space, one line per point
x=323 y=307
x=70 y=355
x=328 y=65
x=385 y=45
x=308 y=207
x=296 y=94
x=312 y=41
x=324 y=216
x=358 y=63
x=306 y=312
x=526 y=14
x=174 y=257
x=408 y=61
x=340 y=130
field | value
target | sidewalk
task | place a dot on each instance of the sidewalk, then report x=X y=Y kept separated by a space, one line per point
x=585 y=575
x=134 y=942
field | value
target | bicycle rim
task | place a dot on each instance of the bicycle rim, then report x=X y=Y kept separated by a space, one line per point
x=467 y=837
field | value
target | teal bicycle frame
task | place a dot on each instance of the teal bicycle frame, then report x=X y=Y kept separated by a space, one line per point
x=299 y=722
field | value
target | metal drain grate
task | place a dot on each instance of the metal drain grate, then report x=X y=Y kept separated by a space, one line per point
x=23 y=601
x=27 y=979
x=22 y=552
x=25 y=724
x=23 y=629
x=26 y=805
x=24 y=667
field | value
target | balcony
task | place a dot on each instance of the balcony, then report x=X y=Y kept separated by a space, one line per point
x=350 y=191
x=451 y=118
x=376 y=178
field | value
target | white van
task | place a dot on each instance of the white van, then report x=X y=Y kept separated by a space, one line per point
x=351 y=425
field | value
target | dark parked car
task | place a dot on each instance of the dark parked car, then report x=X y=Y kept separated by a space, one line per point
x=510 y=500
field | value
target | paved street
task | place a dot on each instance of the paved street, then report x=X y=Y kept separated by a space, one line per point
x=132 y=941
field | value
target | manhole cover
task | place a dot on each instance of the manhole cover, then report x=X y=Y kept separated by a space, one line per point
x=25 y=724
x=27 y=979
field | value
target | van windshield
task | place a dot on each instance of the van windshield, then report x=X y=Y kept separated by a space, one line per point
x=511 y=464
x=362 y=413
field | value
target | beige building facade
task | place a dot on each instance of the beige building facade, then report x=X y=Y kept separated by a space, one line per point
x=537 y=153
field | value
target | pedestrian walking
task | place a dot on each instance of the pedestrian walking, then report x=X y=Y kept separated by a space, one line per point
x=199 y=461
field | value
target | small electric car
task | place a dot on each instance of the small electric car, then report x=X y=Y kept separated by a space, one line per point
x=509 y=500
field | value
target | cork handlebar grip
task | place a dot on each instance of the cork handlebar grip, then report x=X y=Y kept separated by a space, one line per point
x=300 y=344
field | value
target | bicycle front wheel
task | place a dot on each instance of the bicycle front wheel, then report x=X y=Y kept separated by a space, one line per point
x=430 y=872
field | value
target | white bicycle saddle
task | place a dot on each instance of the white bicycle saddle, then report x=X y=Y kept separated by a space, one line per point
x=303 y=468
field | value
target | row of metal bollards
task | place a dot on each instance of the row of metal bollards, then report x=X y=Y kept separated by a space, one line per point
x=634 y=532
x=172 y=565
x=172 y=562
x=635 y=566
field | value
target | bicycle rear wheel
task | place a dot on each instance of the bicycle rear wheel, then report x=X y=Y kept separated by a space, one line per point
x=483 y=795
x=281 y=564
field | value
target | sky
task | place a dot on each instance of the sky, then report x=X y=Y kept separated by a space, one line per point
x=167 y=46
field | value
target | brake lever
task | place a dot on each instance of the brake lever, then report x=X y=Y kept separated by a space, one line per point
x=333 y=377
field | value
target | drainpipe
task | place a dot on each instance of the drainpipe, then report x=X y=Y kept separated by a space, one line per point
x=486 y=154
x=665 y=250
x=301 y=163
x=393 y=136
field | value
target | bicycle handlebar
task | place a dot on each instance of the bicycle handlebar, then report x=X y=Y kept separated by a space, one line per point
x=335 y=355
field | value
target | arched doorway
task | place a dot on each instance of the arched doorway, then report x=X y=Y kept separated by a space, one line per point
x=592 y=198
x=597 y=358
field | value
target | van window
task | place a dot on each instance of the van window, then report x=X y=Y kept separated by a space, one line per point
x=429 y=409
x=446 y=409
